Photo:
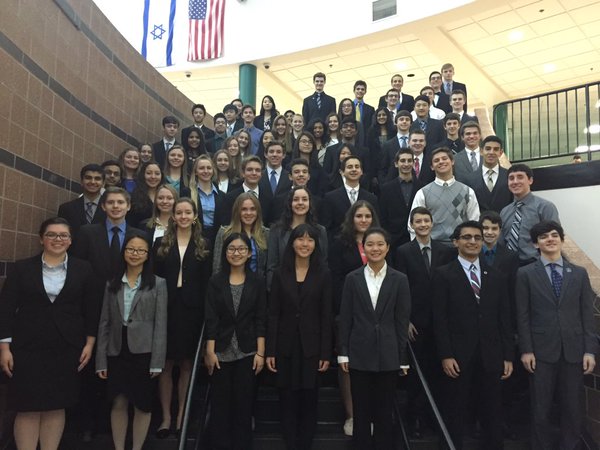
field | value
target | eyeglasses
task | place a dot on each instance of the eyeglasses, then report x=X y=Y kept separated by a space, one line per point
x=240 y=250
x=470 y=237
x=135 y=251
x=57 y=236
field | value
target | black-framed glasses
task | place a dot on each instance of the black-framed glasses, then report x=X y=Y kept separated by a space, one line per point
x=240 y=250
x=57 y=236
x=135 y=251
x=470 y=237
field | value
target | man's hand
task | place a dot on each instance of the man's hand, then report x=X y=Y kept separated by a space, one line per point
x=528 y=360
x=450 y=367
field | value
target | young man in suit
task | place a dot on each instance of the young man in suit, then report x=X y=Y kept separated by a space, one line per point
x=450 y=202
x=234 y=123
x=557 y=337
x=218 y=139
x=389 y=150
x=523 y=213
x=434 y=113
x=405 y=101
x=490 y=181
x=85 y=209
x=337 y=202
x=458 y=99
x=441 y=99
x=198 y=113
x=391 y=101
x=170 y=126
x=275 y=177
x=451 y=123
x=469 y=160
x=396 y=197
x=449 y=84
x=434 y=130
x=252 y=169
x=417 y=260
x=473 y=335
x=319 y=104
x=112 y=173
x=364 y=112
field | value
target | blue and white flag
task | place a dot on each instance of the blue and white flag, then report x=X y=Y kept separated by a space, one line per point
x=157 y=42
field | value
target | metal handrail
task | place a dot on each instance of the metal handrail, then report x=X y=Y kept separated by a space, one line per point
x=182 y=439
x=432 y=403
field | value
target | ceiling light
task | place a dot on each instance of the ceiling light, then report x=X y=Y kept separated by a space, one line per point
x=401 y=65
x=593 y=129
x=515 y=36
x=550 y=67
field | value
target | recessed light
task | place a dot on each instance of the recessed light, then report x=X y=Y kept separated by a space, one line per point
x=400 y=65
x=515 y=36
x=550 y=67
x=410 y=75
x=542 y=10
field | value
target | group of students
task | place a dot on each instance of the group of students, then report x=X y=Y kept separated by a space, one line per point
x=266 y=248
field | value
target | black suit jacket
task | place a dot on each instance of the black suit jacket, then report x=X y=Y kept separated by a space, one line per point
x=310 y=110
x=490 y=201
x=343 y=259
x=265 y=198
x=74 y=213
x=393 y=212
x=463 y=326
x=366 y=118
x=221 y=320
x=306 y=310
x=93 y=246
x=443 y=102
x=507 y=262
x=386 y=169
x=284 y=184
x=331 y=162
x=468 y=118
x=26 y=313
x=434 y=134
x=335 y=205
x=215 y=143
x=195 y=273
x=407 y=104
x=409 y=260
x=375 y=339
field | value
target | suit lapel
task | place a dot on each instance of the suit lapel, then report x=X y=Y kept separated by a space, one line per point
x=121 y=303
x=383 y=298
x=364 y=291
x=38 y=279
x=463 y=280
x=567 y=278
x=544 y=280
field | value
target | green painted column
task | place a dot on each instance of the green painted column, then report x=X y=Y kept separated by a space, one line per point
x=248 y=84
x=501 y=127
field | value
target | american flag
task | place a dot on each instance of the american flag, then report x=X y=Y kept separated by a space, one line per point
x=206 y=29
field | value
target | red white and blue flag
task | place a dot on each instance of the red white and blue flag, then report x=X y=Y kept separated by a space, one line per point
x=206 y=29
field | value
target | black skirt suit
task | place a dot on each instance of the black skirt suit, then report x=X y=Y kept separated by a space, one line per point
x=47 y=337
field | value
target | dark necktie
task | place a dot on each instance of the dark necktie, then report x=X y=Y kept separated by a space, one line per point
x=423 y=125
x=475 y=285
x=115 y=247
x=89 y=212
x=403 y=141
x=512 y=240
x=557 y=279
x=318 y=100
x=273 y=181
x=426 y=258
x=417 y=167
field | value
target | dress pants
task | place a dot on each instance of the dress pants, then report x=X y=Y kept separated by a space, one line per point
x=298 y=417
x=373 y=402
x=566 y=379
x=488 y=388
x=231 y=405
x=417 y=404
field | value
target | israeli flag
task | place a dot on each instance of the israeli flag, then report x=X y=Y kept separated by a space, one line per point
x=157 y=42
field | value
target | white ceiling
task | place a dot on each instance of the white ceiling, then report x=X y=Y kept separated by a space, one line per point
x=502 y=52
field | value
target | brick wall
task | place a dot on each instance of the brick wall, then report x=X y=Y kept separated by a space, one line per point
x=72 y=91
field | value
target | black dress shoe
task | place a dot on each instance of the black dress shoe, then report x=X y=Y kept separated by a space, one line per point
x=163 y=433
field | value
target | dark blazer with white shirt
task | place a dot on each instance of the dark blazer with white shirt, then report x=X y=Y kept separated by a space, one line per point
x=74 y=213
x=495 y=200
x=310 y=110
x=284 y=183
x=159 y=152
x=375 y=340
x=407 y=103
x=335 y=205
x=265 y=198
x=394 y=212
x=146 y=325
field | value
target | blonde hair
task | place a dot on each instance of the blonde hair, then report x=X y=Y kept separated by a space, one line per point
x=194 y=178
x=155 y=211
x=235 y=226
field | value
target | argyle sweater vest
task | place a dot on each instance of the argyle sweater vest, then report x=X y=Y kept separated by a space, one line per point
x=448 y=205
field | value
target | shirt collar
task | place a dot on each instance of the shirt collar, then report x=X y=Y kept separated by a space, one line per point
x=246 y=189
x=371 y=273
x=466 y=264
x=558 y=262
x=109 y=225
x=62 y=265
x=428 y=245
x=213 y=190
x=277 y=170
x=441 y=182
x=348 y=188
x=138 y=280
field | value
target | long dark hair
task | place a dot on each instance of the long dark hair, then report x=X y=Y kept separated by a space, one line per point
x=288 y=215
x=314 y=154
x=274 y=112
x=148 y=281
x=374 y=130
x=225 y=267
x=288 y=262
x=139 y=197
x=311 y=129
x=348 y=231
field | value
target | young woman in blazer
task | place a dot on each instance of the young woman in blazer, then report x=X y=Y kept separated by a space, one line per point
x=48 y=323
x=149 y=178
x=298 y=210
x=373 y=326
x=176 y=171
x=299 y=333
x=183 y=260
x=132 y=339
x=162 y=212
x=207 y=197
x=246 y=218
x=225 y=177
x=235 y=343
x=347 y=253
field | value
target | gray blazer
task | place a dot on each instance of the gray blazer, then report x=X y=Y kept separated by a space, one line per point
x=146 y=327
x=462 y=166
x=549 y=326
x=218 y=249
